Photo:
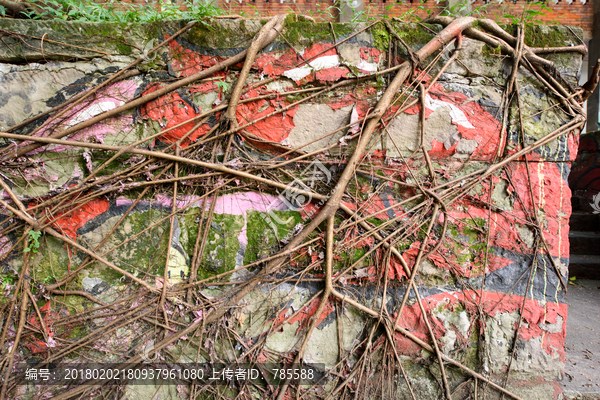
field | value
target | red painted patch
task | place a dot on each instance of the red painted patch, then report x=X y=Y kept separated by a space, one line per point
x=186 y=62
x=552 y=197
x=70 y=223
x=439 y=151
x=374 y=205
x=35 y=345
x=486 y=129
x=274 y=128
x=492 y=303
x=370 y=54
x=416 y=109
x=304 y=316
x=275 y=64
x=396 y=269
x=316 y=49
x=331 y=74
x=171 y=110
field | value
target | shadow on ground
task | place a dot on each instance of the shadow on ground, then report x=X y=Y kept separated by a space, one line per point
x=581 y=379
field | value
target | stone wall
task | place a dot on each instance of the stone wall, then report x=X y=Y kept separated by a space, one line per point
x=495 y=256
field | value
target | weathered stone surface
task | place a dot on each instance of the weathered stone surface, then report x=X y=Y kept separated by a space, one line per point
x=314 y=121
x=473 y=286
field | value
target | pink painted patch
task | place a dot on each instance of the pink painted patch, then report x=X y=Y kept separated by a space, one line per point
x=106 y=99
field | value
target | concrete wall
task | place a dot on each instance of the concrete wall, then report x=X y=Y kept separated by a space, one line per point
x=489 y=271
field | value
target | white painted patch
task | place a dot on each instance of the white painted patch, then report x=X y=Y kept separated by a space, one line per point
x=353 y=120
x=457 y=115
x=280 y=85
x=367 y=66
x=320 y=63
x=297 y=74
x=94 y=110
x=325 y=62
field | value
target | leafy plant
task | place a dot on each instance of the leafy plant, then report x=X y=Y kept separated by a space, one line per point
x=256 y=12
x=465 y=8
x=223 y=85
x=412 y=16
x=116 y=11
x=35 y=244
x=325 y=11
x=7 y=280
x=530 y=15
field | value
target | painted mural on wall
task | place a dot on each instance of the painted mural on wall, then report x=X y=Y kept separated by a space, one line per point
x=177 y=247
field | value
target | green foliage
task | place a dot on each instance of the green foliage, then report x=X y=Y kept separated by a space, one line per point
x=325 y=11
x=529 y=16
x=6 y=281
x=116 y=11
x=223 y=85
x=35 y=244
x=256 y=13
x=412 y=16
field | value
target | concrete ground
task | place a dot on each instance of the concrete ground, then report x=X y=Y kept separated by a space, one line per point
x=581 y=379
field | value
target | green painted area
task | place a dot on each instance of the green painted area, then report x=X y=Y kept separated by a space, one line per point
x=222 y=245
x=487 y=50
x=266 y=231
x=124 y=49
x=7 y=282
x=147 y=252
x=414 y=33
x=99 y=157
x=115 y=38
x=51 y=262
x=142 y=254
x=381 y=36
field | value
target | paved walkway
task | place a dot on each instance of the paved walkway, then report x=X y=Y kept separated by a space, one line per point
x=582 y=370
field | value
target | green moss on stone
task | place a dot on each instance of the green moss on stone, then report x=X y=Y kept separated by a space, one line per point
x=414 y=34
x=548 y=36
x=51 y=262
x=222 y=245
x=266 y=231
x=219 y=36
x=124 y=49
x=299 y=31
x=381 y=36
